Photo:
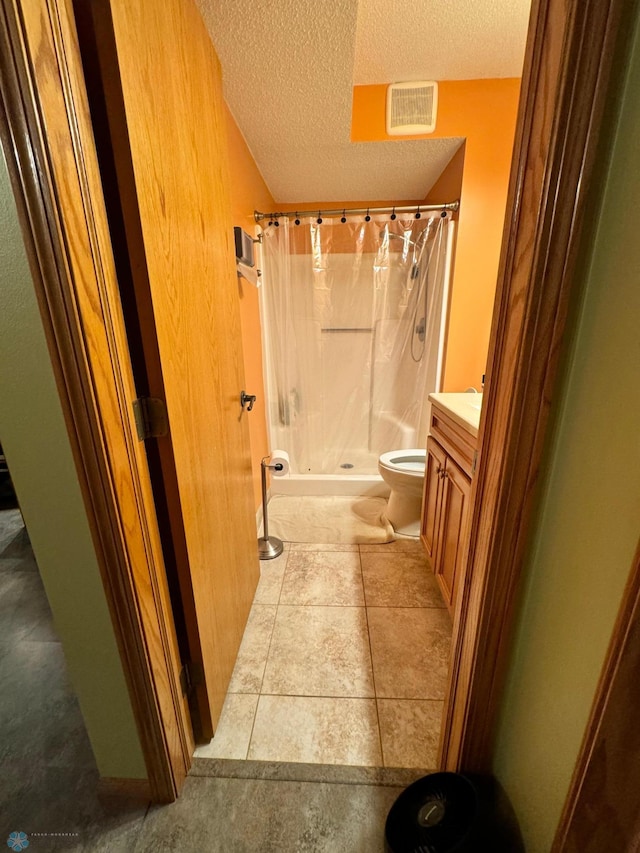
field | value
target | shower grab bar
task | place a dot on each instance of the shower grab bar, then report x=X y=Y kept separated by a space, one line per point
x=344 y=329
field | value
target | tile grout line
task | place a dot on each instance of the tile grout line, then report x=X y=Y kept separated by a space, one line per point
x=286 y=551
x=342 y=696
x=283 y=606
x=373 y=674
x=407 y=607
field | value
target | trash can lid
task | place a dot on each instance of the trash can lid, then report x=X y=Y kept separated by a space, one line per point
x=433 y=814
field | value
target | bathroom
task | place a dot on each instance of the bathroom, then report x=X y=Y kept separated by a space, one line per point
x=475 y=126
x=567 y=590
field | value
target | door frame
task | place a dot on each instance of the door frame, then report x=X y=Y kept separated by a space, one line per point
x=47 y=138
x=569 y=59
x=571 y=54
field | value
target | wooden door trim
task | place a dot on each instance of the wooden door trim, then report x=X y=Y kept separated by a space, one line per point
x=568 y=63
x=59 y=198
x=593 y=794
x=567 y=67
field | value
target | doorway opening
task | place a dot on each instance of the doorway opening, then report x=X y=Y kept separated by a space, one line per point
x=467 y=737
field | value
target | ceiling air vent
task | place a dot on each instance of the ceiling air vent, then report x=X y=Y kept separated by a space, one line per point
x=411 y=108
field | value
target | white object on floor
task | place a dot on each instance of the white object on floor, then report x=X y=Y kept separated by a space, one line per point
x=403 y=472
x=329 y=520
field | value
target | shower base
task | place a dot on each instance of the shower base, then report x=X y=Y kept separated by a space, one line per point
x=370 y=485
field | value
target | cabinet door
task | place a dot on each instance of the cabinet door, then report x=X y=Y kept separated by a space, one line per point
x=452 y=527
x=433 y=481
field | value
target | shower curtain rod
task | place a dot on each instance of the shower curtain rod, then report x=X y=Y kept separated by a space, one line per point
x=350 y=211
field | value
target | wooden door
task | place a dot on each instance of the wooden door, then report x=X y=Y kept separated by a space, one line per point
x=156 y=87
x=434 y=467
x=450 y=550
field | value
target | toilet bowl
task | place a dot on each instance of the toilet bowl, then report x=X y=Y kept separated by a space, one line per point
x=403 y=472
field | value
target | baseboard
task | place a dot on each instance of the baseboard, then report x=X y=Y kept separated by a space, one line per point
x=116 y=789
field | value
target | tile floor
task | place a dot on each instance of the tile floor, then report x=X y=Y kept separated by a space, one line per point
x=344 y=661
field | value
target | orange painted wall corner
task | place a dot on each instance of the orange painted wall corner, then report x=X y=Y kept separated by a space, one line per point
x=482 y=113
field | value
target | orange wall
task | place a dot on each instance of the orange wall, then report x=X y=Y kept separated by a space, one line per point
x=248 y=193
x=484 y=113
x=449 y=184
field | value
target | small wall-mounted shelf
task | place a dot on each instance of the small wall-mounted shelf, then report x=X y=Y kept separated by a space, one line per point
x=245 y=262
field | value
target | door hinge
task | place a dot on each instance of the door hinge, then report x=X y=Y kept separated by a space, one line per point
x=151 y=417
x=191 y=675
x=475 y=462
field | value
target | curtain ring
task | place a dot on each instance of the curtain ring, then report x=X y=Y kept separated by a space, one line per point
x=418 y=214
x=367 y=217
x=319 y=219
x=393 y=214
x=343 y=218
x=297 y=220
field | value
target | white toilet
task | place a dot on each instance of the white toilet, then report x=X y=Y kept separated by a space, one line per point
x=403 y=472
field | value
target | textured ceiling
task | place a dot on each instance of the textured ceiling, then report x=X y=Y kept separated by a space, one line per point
x=361 y=171
x=402 y=40
x=288 y=70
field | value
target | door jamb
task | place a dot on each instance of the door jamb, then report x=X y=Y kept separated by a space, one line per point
x=569 y=58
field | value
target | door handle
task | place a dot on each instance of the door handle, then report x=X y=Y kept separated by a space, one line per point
x=247 y=400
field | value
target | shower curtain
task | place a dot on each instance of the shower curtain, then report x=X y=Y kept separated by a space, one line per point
x=353 y=319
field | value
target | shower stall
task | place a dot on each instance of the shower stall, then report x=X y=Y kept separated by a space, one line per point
x=354 y=313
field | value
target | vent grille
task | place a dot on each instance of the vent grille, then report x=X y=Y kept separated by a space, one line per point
x=411 y=108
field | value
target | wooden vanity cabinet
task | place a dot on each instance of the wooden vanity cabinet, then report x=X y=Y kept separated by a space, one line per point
x=433 y=484
x=447 y=486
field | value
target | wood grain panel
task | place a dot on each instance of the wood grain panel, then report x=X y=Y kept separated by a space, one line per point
x=48 y=135
x=436 y=459
x=453 y=530
x=163 y=95
x=456 y=440
x=568 y=62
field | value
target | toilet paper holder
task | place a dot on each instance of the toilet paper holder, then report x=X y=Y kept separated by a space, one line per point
x=269 y=547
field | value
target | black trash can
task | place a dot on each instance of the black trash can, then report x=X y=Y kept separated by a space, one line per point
x=447 y=812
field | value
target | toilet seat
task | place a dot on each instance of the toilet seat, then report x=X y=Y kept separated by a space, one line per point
x=411 y=461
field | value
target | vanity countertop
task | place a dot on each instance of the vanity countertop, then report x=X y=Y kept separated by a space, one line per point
x=463 y=408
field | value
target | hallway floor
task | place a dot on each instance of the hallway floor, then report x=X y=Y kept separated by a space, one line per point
x=344 y=661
